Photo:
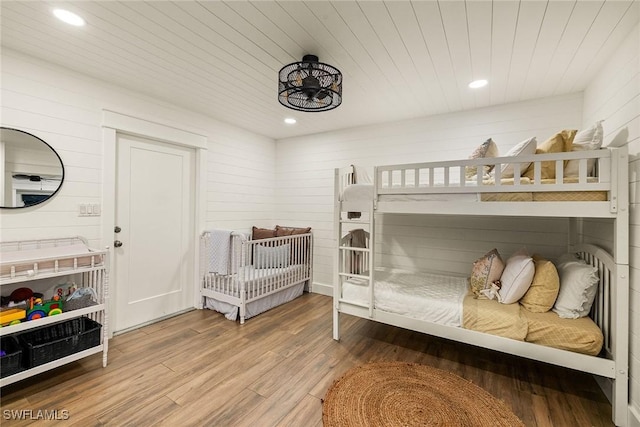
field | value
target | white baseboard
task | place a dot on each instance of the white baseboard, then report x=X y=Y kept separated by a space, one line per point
x=321 y=288
x=634 y=417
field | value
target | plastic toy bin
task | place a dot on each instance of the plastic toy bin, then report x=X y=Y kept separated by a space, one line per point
x=11 y=362
x=48 y=343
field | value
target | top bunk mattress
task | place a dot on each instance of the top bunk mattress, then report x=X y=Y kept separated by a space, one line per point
x=361 y=193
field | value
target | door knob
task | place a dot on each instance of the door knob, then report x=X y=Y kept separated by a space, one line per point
x=117 y=243
x=117 y=229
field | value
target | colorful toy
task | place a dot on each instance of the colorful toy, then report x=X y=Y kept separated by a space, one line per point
x=12 y=316
x=39 y=309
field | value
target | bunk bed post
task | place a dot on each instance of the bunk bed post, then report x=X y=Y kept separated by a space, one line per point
x=337 y=227
x=575 y=233
x=620 y=345
x=372 y=242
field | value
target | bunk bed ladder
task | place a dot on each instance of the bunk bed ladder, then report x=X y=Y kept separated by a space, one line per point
x=354 y=259
x=355 y=253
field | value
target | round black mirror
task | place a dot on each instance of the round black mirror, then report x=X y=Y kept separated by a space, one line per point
x=32 y=170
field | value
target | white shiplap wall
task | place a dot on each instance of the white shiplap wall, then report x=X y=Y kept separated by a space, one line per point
x=304 y=179
x=614 y=95
x=65 y=109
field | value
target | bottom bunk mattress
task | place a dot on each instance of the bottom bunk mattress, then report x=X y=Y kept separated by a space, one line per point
x=446 y=300
x=424 y=296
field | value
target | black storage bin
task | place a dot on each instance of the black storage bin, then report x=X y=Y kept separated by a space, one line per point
x=11 y=362
x=48 y=343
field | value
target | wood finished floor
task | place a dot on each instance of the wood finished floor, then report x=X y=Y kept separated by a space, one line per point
x=199 y=369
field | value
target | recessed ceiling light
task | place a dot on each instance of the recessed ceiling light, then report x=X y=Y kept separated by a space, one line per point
x=478 y=83
x=68 y=17
x=290 y=120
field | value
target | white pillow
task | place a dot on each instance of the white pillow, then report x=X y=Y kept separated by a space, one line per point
x=526 y=147
x=578 y=288
x=621 y=139
x=271 y=257
x=516 y=278
x=588 y=139
x=592 y=136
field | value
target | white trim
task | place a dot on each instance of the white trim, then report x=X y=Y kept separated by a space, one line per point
x=322 y=289
x=634 y=417
x=136 y=126
x=112 y=124
x=200 y=206
x=108 y=200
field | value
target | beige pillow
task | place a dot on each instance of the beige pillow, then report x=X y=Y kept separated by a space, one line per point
x=544 y=289
x=558 y=143
x=484 y=150
x=485 y=271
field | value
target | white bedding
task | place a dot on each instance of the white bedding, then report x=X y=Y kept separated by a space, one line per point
x=424 y=296
x=250 y=273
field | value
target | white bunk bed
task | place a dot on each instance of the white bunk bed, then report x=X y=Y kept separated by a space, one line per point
x=254 y=275
x=442 y=188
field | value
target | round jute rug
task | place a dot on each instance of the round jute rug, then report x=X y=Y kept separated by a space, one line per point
x=408 y=394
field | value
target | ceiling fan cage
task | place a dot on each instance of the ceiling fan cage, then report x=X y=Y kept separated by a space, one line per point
x=310 y=85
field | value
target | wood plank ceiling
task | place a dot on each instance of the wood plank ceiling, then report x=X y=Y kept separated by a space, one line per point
x=400 y=59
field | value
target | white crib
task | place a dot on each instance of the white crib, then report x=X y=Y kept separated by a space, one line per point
x=260 y=274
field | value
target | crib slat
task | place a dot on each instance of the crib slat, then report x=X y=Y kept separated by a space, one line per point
x=255 y=274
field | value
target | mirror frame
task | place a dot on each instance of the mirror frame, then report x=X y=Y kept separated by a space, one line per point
x=61 y=166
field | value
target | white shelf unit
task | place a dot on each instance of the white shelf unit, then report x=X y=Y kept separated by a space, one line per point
x=22 y=262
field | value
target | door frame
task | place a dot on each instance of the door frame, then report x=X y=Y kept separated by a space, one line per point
x=114 y=123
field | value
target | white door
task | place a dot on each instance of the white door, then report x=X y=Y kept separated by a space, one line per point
x=154 y=247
